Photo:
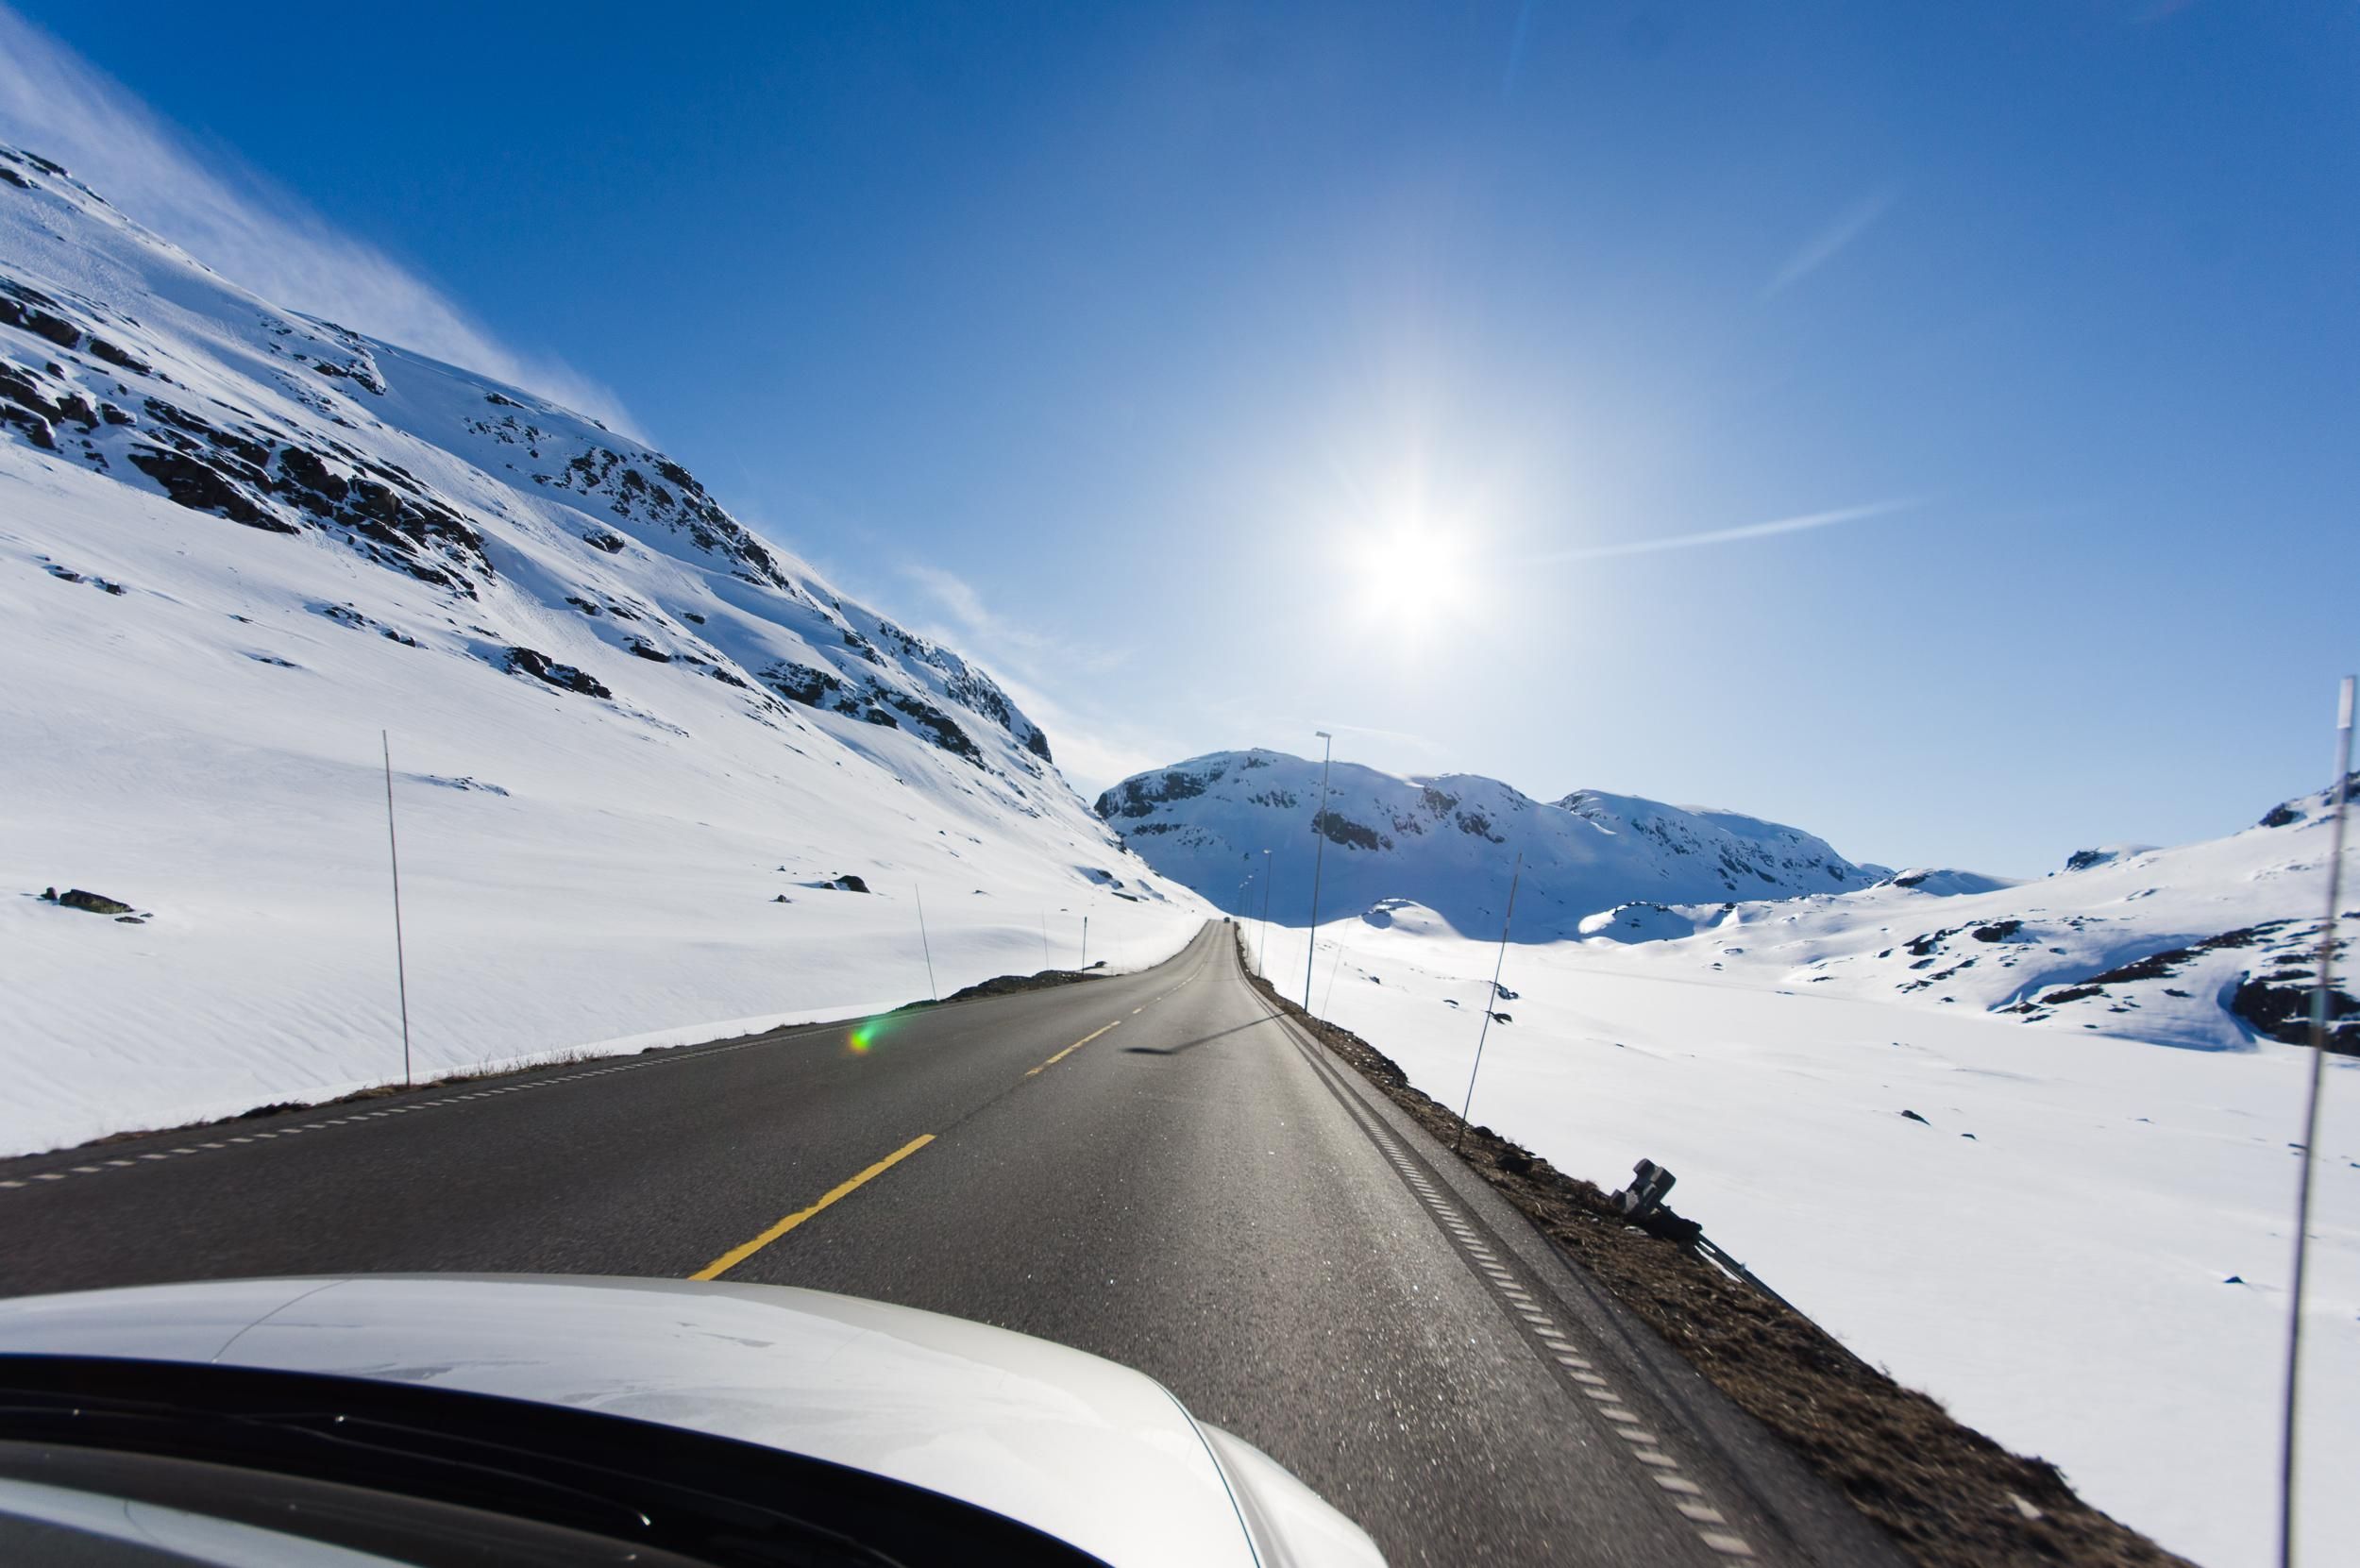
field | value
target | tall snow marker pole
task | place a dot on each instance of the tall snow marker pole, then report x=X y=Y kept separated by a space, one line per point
x=1086 y=941
x=931 y=989
x=1327 y=999
x=1319 y=858
x=1490 y=997
x=2320 y=994
x=1044 y=941
x=392 y=852
x=1262 y=951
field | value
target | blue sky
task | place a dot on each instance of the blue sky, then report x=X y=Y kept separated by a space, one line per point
x=1221 y=373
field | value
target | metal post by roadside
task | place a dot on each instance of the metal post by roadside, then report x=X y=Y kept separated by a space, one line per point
x=1489 y=998
x=2322 y=990
x=1261 y=949
x=392 y=850
x=931 y=989
x=1319 y=858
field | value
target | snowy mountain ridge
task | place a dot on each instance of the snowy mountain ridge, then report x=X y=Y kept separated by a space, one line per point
x=1450 y=842
x=225 y=405
x=2208 y=945
x=636 y=750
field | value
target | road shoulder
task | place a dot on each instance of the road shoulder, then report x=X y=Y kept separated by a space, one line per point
x=1780 y=1400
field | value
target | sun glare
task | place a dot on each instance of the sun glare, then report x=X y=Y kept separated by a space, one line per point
x=1412 y=578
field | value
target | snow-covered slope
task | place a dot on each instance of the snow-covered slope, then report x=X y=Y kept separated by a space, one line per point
x=1945 y=881
x=1449 y=843
x=630 y=739
x=2207 y=945
x=1951 y=1127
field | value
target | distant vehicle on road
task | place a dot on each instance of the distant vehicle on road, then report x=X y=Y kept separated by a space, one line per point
x=544 y=1420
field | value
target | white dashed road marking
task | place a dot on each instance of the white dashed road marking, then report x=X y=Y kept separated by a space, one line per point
x=1645 y=1447
x=354 y=1117
x=1526 y=1310
x=632 y=1065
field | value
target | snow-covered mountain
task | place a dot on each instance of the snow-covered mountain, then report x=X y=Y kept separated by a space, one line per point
x=632 y=740
x=131 y=359
x=1449 y=843
x=2207 y=945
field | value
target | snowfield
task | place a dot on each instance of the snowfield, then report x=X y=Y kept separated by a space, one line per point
x=570 y=874
x=631 y=743
x=2080 y=1242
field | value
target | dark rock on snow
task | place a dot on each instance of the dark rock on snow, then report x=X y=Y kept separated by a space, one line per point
x=527 y=661
x=98 y=903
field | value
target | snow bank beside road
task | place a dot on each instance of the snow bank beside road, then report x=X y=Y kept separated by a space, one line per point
x=637 y=748
x=2060 y=1278
x=204 y=746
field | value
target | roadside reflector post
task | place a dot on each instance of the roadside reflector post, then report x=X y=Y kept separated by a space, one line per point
x=1488 y=997
x=2322 y=995
x=392 y=852
x=925 y=944
x=1319 y=860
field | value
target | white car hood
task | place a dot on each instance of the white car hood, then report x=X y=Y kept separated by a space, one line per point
x=1091 y=1452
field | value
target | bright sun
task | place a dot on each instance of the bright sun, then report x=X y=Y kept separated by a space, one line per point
x=1412 y=578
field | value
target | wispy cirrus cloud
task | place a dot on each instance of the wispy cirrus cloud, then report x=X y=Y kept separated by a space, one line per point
x=1406 y=737
x=1824 y=246
x=1799 y=524
x=1093 y=748
x=220 y=210
x=958 y=599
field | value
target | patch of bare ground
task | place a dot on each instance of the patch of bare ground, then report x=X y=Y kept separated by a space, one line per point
x=1948 y=1495
x=1008 y=985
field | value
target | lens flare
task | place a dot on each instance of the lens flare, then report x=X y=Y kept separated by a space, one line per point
x=861 y=1038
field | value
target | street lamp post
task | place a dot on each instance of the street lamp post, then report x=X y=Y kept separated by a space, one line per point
x=1319 y=858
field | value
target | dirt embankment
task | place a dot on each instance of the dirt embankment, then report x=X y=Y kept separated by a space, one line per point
x=1006 y=985
x=1950 y=1496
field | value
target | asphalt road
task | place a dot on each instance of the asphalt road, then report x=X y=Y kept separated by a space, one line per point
x=1149 y=1167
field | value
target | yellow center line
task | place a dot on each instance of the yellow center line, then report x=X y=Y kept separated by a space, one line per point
x=737 y=1255
x=1071 y=1049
